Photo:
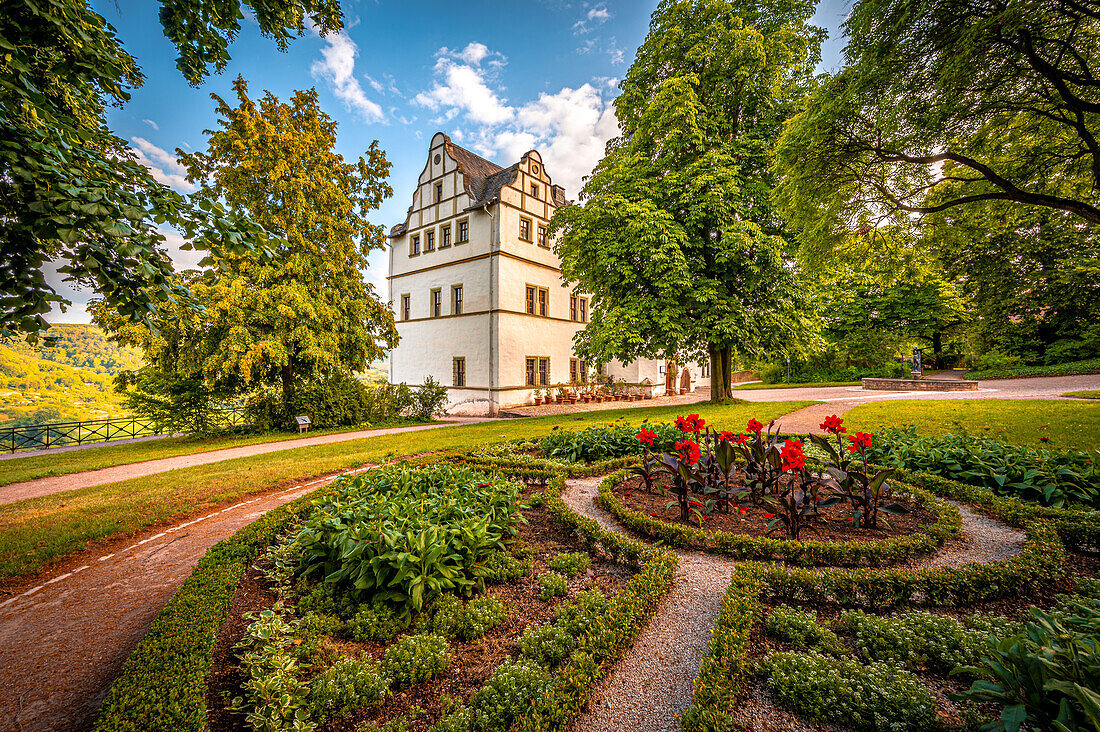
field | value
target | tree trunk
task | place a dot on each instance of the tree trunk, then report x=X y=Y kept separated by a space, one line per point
x=720 y=363
x=937 y=349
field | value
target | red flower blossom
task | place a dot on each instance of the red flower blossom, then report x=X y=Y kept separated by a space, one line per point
x=646 y=436
x=726 y=437
x=860 y=441
x=628 y=495
x=742 y=509
x=769 y=515
x=834 y=425
x=741 y=439
x=692 y=423
x=688 y=451
x=755 y=426
x=696 y=504
x=793 y=457
x=1044 y=438
x=653 y=515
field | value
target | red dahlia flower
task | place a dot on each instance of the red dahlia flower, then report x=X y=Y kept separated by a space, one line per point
x=793 y=457
x=755 y=426
x=834 y=425
x=688 y=451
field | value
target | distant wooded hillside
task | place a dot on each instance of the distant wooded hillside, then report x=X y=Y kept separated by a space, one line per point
x=68 y=381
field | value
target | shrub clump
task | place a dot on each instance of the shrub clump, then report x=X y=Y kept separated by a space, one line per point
x=578 y=615
x=802 y=630
x=916 y=639
x=546 y=645
x=506 y=695
x=377 y=623
x=552 y=585
x=346 y=686
x=311 y=631
x=502 y=567
x=415 y=658
x=571 y=564
x=480 y=615
x=841 y=691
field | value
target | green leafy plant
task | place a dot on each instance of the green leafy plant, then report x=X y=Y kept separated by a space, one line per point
x=345 y=687
x=571 y=564
x=916 y=640
x=442 y=617
x=415 y=658
x=480 y=615
x=312 y=629
x=502 y=566
x=552 y=585
x=547 y=645
x=378 y=623
x=578 y=615
x=1047 y=676
x=273 y=698
x=853 y=480
x=504 y=697
x=841 y=691
x=802 y=630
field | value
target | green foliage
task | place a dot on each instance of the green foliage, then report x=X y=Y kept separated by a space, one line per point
x=916 y=640
x=600 y=442
x=802 y=630
x=429 y=399
x=312 y=629
x=415 y=658
x=293 y=315
x=416 y=532
x=36 y=391
x=81 y=346
x=552 y=585
x=379 y=623
x=502 y=566
x=345 y=687
x=807 y=372
x=273 y=698
x=1089 y=366
x=676 y=238
x=840 y=691
x=546 y=645
x=571 y=564
x=1048 y=675
x=443 y=617
x=577 y=616
x=504 y=697
x=325 y=599
x=481 y=614
x=75 y=192
x=1047 y=477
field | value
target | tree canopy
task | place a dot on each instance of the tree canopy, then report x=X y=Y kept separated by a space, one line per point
x=72 y=191
x=948 y=104
x=302 y=314
x=675 y=237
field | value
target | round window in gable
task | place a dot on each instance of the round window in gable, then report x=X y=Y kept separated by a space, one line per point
x=534 y=169
x=437 y=158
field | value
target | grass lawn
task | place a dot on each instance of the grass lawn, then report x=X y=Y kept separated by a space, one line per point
x=36 y=531
x=18 y=469
x=818 y=385
x=1020 y=421
x=1088 y=394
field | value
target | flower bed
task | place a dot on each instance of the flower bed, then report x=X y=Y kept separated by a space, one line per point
x=331 y=651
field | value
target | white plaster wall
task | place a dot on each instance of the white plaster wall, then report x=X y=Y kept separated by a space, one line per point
x=428 y=348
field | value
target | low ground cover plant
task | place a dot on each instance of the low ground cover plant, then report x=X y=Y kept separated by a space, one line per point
x=1048 y=477
x=600 y=442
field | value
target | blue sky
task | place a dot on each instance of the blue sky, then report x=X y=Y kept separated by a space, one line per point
x=499 y=77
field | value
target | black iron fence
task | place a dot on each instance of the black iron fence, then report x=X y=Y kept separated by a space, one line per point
x=59 y=434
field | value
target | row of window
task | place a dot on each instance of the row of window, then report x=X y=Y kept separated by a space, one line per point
x=444 y=238
x=538 y=303
x=525 y=233
x=538 y=371
x=435 y=303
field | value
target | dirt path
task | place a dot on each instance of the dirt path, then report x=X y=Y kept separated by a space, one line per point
x=73 y=481
x=63 y=642
x=650 y=687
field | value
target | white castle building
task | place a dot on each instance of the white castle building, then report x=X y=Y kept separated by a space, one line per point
x=477 y=290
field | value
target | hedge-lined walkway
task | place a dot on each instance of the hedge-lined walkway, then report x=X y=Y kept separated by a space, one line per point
x=651 y=685
x=62 y=644
x=74 y=481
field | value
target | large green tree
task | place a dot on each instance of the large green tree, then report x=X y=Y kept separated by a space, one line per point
x=70 y=190
x=675 y=237
x=304 y=313
x=948 y=104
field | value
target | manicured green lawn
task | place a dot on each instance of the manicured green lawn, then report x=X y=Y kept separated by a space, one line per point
x=1022 y=421
x=818 y=385
x=18 y=469
x=1093 y=394
x=36 y=531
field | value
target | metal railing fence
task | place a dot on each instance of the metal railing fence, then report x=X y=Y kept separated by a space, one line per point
x=59 y=434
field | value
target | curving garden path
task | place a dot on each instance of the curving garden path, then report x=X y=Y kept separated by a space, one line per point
x=650 y=686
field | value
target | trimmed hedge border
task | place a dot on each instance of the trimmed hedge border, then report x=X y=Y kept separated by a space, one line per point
x=1077 y=529
x=162 y=685
x=726 y=666
x=802 y=553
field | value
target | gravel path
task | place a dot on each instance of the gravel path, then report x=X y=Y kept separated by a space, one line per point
x=651 y=685
x=72 y=481
x=63 y=642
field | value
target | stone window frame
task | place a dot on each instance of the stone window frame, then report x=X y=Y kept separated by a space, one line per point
x=525 y=237
x=406 y=306
x=534 y=373
x=456 y=299
x=435 y=302
x=463 y=234
x=429 y=241
x=444 y=236
x=458 y=371
x=414 y=245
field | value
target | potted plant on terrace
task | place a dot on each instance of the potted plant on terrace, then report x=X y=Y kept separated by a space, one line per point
x=538 y=397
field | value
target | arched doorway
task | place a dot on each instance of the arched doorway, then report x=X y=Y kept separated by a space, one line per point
x=685 y=380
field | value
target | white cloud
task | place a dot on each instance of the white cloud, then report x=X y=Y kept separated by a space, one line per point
x=152 y=124
x=462 y=86
x=338 y=68
x=162 y=164
x=374 y=83
x=595 y=16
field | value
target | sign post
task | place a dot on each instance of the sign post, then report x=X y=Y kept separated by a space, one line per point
x=303 y=423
